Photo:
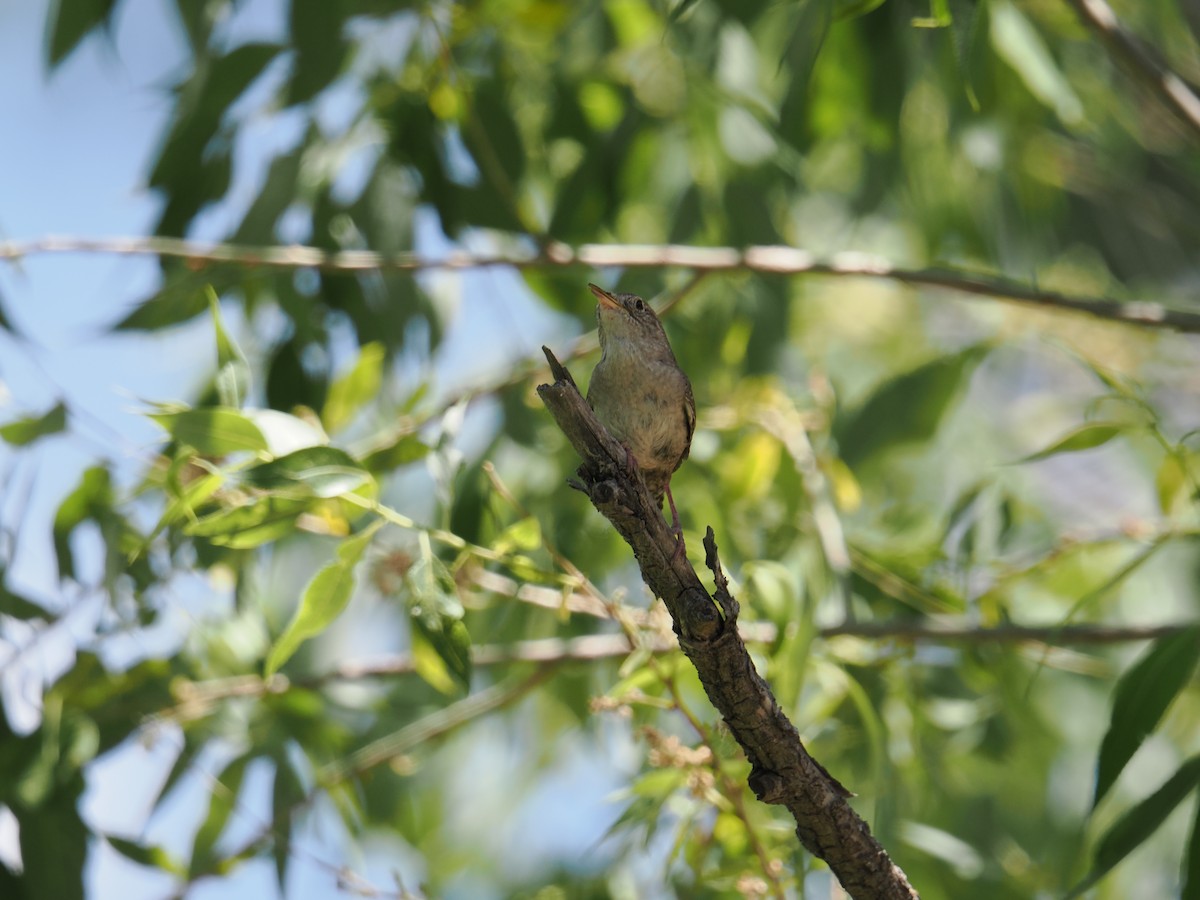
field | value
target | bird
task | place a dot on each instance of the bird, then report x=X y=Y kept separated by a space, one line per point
x=641 y=394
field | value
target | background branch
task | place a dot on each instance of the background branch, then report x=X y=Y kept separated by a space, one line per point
x=1172 y=90
x=776 y=260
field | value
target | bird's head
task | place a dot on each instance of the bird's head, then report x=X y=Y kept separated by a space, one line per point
x=628 y=318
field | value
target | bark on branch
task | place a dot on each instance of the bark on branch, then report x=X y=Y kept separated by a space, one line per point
x=782 y=772
x=766 y=260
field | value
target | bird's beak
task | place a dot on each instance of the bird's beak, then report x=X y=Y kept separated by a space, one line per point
x=606 y=299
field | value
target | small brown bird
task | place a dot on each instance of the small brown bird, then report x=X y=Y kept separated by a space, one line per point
x=641 y=395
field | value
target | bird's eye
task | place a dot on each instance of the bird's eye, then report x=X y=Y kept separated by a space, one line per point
x=638 y=304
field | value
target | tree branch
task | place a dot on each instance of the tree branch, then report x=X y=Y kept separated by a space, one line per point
x=766 y=260
x=1172 y=90
x=782 y=772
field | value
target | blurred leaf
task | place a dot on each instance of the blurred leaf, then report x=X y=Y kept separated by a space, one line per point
x=277 y=193
x=1134 y=827
x=1085 y=437
x=680 y=8
x=348 y=394
x=70 y=21
x=311 y=472
x=436 y=611
x=222 y=800
x=1141 y=697
x=182 y=298
x=6 y=323
x=316 y=28
x=54 y=847
x=213 y=87
x=1018 y=43
x=1173 y=481
x=92 y=499
x=233 y=372
x=969 y=32
x=524 y=534
x=852 y=9
x=1191 y=862
x=290 y=383
x=324 y=599
x=150 y=856
x=810 y=21
x=906 y=409
x=187 y=500
x=251 y=525
x=213 y=430
x=286 y=433
x=287 y=794
x=403 y=450
x=18 y=606
x=26 y=431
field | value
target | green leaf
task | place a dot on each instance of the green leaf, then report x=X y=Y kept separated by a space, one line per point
x=152 y=857
x=54 y=847
x=233 y=372
x=19 y=607
x=213 y=430
x=1140 y=699
x=90 y=500
x=70 y=22
x=1018 y=43
x=1085 y=437
x=316 y=27
x=26 y=431
x=1173 y=481
x=278 y=191
x=906 y=409
x=852 y=9
x=287 y=794
x=183 y=297
x=809 y=27
x=355 y=389
x=186 y=501
x=437 y=613
x=324 y=599
x=243 y=527
x=285 y=433
x=1136 y=825
x=6 y=322
x=1191 y=863
x=525 y=534
x=222 y=801
x=405 y=449
x=312 y=472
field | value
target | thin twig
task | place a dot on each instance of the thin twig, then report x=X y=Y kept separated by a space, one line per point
x=1172 y=90
x=196 y=699
x=766 y=260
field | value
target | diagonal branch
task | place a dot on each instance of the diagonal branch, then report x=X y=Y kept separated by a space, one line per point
x=782 y=772
x=1172 y=90
x=766 y=260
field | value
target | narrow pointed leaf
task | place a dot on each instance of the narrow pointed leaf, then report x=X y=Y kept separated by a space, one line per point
x=324 y=599
x=26 y=431
x=213 y=430
x=1141 y=697
x=1139 y=823
x=1084 y=437
x=1191 y=862
x=355 y=389
x=233 y=372
x=312 y=472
